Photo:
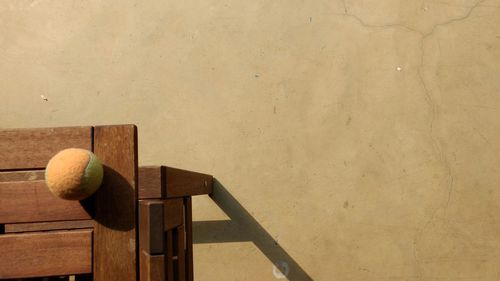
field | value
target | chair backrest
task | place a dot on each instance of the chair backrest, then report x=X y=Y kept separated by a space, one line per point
x=95 y=236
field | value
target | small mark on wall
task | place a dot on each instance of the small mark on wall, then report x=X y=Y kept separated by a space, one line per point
x=364 y=269
x=348 y=121
x=346 y=204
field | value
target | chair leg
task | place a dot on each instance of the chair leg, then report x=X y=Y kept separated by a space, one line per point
x=189 y=238
x=181 y=254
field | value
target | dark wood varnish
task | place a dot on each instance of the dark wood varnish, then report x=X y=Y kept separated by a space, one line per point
x=174 y=213
x=57 y=253
x=151 y=226
x=152 y=267
x=180 y=183
x=115 y=243
x=189 y=238
x=23 y=149
x=161 y=182
x=32 y=201
x=152 y=182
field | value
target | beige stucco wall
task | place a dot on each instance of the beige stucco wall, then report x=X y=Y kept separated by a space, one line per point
x=356 y=140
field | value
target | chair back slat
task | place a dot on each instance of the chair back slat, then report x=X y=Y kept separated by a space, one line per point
x=32 y=201
x=24 y=149
x=56 y=252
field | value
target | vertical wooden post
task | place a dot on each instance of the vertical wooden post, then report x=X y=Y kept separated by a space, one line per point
x=151 y=240
x=115 y=243
x=152 y=267
x=169 y=255
x=181 y=254
x=189 y=238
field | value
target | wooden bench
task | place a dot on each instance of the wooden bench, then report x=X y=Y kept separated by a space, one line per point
x=137 y=226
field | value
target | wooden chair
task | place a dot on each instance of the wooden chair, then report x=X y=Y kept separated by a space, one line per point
x=137 y=226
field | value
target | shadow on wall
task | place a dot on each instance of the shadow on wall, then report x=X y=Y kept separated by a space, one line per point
x=244 y=228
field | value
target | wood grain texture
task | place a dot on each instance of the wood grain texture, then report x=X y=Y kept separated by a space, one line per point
x=152 y=182
x=174 y=213
x=44 y=226
x=32 y=148
x=115 y=204
x=151 y=226
x=180 y=183
x=46 y=254
x=32 y=201
x=189 y=238
x=181 y=254
x=169 y=255
x=152 y=267
x=157 y=182
x=22 y=175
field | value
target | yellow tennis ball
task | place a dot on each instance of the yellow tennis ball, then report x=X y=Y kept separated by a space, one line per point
x=74 y=174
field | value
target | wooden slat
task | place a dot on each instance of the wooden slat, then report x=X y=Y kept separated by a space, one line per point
x=152 y=182
x=174 y=213
x=169 y=255
x=180 y=183
x=32 y=201
x=45 y=254
x=115 y=204
x=152 y=267
x=44 y=226
x=181 y=254
x=32 y=148
x=151 y=226
x=22 y=175
x=189 y=238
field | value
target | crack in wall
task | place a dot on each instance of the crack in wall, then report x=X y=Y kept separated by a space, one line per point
x=434 y=111
x=435 y=141
x=365 y=24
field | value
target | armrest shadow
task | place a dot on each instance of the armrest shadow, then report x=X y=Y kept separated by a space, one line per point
x=243 y=227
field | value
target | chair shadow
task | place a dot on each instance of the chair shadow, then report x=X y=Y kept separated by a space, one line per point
x=244 y=228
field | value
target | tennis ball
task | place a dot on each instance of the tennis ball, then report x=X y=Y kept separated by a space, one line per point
x=74 y=174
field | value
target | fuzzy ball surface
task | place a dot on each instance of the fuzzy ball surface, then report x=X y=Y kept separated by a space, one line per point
x=74 y=174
